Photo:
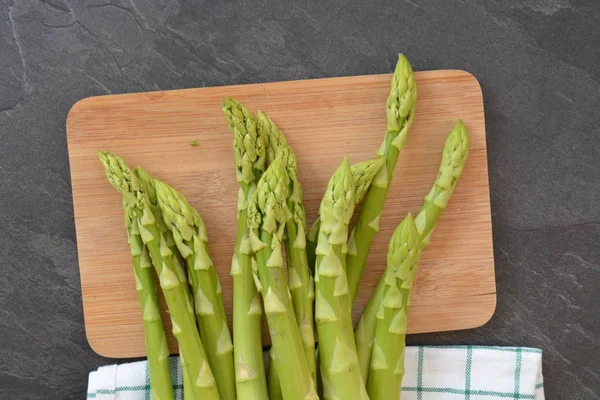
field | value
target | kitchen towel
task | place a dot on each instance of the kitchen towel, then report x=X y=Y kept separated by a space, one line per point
x=432 y=373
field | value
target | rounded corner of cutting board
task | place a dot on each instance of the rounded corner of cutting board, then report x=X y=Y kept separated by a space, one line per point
x=100 y=347
x=469 y=77
x=492 y=308
x=75 y=108
x=78 y=108
x=488 y=312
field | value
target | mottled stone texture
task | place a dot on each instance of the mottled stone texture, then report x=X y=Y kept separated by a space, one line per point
x=538 y=64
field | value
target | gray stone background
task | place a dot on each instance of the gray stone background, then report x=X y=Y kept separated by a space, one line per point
x=538 y=63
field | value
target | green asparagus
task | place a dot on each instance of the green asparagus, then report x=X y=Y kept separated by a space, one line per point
x=273 y=383
x=273 y=379
x=454 y=156
x=165 y=231
x=337 y=350
x=387 y=361
x=365 y=331
x=183 y=323
x=400 y=115
x=363 y=174
x=250 y=161
x=188 y=394
x=300 y=279
x=148 y=183
x=154 y=332
x=191 y=239
x=268 y=214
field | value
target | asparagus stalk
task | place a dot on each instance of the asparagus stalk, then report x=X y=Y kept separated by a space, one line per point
x=154 y=332
x=273 y=383
x=187 y=382
x=400 y=115
x=267 y=215
x=273 y=379
x=183 y=322
x=300 y=279
x=387 y=361
x=365 y=331
x=191 y=239
x=454 y=156
x=148 y=183
x=363 y=174
x=250 y=160
x=337 y=350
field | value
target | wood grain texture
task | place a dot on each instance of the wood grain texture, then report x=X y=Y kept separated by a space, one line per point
x=324 y=120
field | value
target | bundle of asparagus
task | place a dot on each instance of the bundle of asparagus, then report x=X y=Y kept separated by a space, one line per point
x=312 y=287
x=172 y=283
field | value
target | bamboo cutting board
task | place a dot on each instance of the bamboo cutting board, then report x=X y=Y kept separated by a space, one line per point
x=324 y=120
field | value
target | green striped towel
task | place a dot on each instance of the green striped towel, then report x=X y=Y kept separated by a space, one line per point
x=432 y=373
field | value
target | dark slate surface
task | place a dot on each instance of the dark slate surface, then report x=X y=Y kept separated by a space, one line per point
x=538 y=64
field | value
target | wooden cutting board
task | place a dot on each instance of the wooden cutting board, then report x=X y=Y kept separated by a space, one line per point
x=324 y=120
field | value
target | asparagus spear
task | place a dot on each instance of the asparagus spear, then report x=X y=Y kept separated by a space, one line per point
x=267 y=215
x=273 y=383
x=363 y=174
x=154 y=332
x=300 y=280
x=387 y=362
x=191 y=238
x=250 y=160
x=365 y=331
x=454 y=156
x=184 y=324
x=337 y=349
x=273 y=379
x=187 y=382
x=400 y=115
x=148 y=183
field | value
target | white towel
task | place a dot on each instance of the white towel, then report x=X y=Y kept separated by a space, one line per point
x=432 y=373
